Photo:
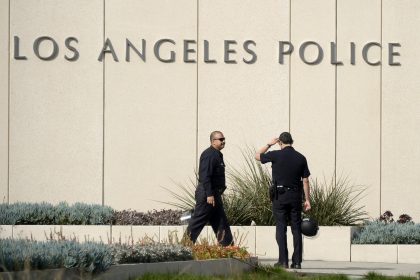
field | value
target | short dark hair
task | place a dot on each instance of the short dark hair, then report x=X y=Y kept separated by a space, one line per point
x=286 y=138
x=214 y=133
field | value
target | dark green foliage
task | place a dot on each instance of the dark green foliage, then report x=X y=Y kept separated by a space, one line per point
x=246 y=199
x=93 y=257
x=377 y=276
x=336 y=203
x=22 y=213
x=378 y=232
x=162 y=217
x=184 y=196
x=150 y=253
x=24 y=254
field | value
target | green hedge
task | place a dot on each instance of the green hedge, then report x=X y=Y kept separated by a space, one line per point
x=23 y=254
x=82 y=214
x=62 y=214
x=388 y=233
x=151 y=253
x=93 y=257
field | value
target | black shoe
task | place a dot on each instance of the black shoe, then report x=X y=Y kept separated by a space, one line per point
x=296 y=266
x=282 y=265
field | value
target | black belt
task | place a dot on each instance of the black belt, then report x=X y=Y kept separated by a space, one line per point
x=280 y=189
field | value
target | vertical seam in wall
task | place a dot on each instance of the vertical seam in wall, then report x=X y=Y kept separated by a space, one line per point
x=380 y=120
x=8 y=111
x=196 y=105
x=103 y=112
x=335 y=96
x=290 y=67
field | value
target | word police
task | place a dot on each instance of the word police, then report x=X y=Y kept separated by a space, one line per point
x=229 y=51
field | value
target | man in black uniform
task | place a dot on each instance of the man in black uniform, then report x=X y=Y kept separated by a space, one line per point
x=290 y=169
x=212 y=183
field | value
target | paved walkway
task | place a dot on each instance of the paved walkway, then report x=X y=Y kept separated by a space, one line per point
x=353 y=269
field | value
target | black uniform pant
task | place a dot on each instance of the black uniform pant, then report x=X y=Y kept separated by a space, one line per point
x=216 y=216
x=288 y=206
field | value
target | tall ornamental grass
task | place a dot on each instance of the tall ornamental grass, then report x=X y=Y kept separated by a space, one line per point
x=334 y=202
x=247 y=197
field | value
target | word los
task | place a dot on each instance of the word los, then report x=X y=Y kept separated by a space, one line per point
x=164 y=51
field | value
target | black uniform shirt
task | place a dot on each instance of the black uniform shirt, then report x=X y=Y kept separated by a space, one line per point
x=211 y=172
x=288 y=166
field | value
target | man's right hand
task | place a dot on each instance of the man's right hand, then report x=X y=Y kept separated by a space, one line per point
x=210 y=200
x=307 y=205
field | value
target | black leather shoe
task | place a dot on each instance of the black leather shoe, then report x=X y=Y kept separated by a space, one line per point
x=296 y=266
x=283 y=265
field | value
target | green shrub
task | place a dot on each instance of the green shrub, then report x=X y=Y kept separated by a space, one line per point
x=162 y=217
x=378 y=232
x=246 y=199
x=150 y=253
x=22 y=213
x=25 y=254
x=335 y=203
x=93 y=257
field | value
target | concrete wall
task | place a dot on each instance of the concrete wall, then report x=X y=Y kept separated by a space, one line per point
x=400 y=114
x=150 y=108
x=116 y=132
x=4 y=99
x=359 y=87
x=56 y=106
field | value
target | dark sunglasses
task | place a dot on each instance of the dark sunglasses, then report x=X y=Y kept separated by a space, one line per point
x=220 y=139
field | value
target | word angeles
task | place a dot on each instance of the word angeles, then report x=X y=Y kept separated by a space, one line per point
x=228 y=51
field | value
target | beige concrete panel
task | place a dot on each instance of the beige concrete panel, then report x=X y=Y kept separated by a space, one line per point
x=244 y=236
x=171 y=234
x=312 y=115
x=358 y=99
x=206 y=235
x=374 y=253
x=330 y=244
x=122 y=234
x=83 y=233
x=56 y=106
x=249 y=103
x=4 y=99
x=145 y=233
x=150 y=107
x=211 y=236
x=409 y=253
x=266 y=244
x=400 y=110
x=37 y=232
x=6 y=231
